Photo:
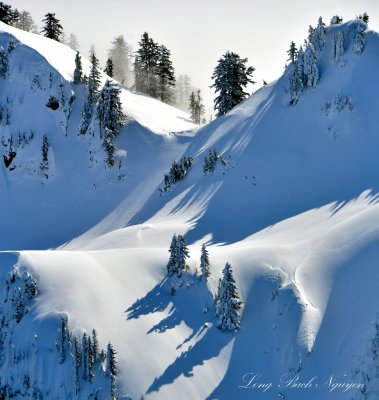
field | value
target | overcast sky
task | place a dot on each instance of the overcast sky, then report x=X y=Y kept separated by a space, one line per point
x=198 y=32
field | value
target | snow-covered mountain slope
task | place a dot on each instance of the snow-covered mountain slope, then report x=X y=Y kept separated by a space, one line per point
x=292 y=205
x=79 y=191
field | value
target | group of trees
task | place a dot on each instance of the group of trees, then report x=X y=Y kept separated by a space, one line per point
x=154 y=73
x=227 y=300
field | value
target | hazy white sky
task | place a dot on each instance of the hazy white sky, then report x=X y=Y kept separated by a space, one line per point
x=198 y=32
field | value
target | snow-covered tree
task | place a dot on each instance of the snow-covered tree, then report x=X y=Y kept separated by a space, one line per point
x=85 y=356
x=93 y=80
x=90 y=361
x=166 y=76
x=112 y=369
x=77 y=363
x=95 y=346
x=109 y=67
x=120 y=54
x=364 y=17
x=359 y=37
x=297 y=78
x=310 y=66
x=146 y=66
x=52 y=28
x=63 y=339
x=196 y=107
x=183 y=91
x=78 y=72
x=44 y=164
x=228 y=303
x=210 y=161
x=317 y=36
x=3 y=62
x=292 y=52
x=338 y=46
x=230 y=77
x=178 y=254
x=204 y=263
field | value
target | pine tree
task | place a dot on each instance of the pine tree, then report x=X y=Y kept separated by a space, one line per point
x=228 y=303
x=109 y=67
x=178 y=255
x=166 y=76
x=85 y=356
x=297 y=78
x=112 y=369
x=93 y=80
x=95 y=346
x=204 y=263
x=120 y=55
x=73 y=42
x=146 y=66
x=63 y=340
x=310 y=66
x=44 y=165
x=77 y=363
x=25 y=22
x=91 y=361
x=317 y=36
x=7 y=14
x=336 y=20
x=338 y=46
x=3 y=63
x=230 y=77
x=292 y=52
x=210 y=161
x=192 y=106
x=52 y=29
x=359 y=38
x=78 y=72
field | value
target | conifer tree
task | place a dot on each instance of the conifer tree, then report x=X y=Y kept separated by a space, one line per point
x=52 y=28
x=73 y=42
x=95 y=346
x=90 y=360
x=359 y=38
x=44 y=165
x=146 y=66
x=77 y=363
x=78 y=72
x=63 y=340
x=120 y=55
x=196 y=107
x=292 y=52
x=109 y=67
x=178 y=255
x=336 y=20
x=7 y=14
x=166 y=76
x=297 y=78
x=93 y=80
x=338 y=46
x=204 y=263
x=228 y=303
x=310 y=66
x=230 y=77
x=85 y=356
x=112 y=369
x=317 y=36
x=25 y=22
x=3 y=63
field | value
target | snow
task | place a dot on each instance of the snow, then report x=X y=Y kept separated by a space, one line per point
x=292 y=206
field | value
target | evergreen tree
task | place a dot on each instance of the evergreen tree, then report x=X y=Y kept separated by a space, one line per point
x=25 y=22
x=3 y=63
x=338 y=46
x=52 y=29
x=310 y=66
x=230 y=77
x=85 y=356
x=90 y=361
x=336 y=20
x=93 y=81
x=146 y=66
x=178 y=255
x=196 y=107
x=109 y=67
x=228 y=303
x=120 y=55
x=364 y=18
x=7 y=14
x=166 y=76
x=77 y=363
x=73 y=42
x=317 y=36
x=210 y=161
x=78 y=72
x=95 y=346
x=204 y=263
x=297 y=78
x=112 y=369
x=359 y=38
x=292 y=52
x=44 y=165
x=63 y=340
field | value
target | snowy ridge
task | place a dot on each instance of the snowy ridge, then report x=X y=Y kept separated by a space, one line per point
x=292 y=205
